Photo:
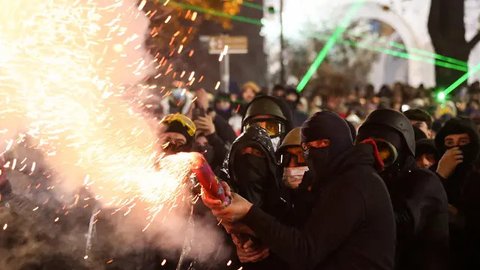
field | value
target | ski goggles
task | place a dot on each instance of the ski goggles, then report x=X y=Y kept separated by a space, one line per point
x=274 y=128
x=286 y=157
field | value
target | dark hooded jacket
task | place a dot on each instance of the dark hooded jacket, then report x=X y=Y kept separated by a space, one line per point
x=257 y=179
x=463 y=190
x=266 y=192
x=351 y=225
x=420 y=206
x=418 y=198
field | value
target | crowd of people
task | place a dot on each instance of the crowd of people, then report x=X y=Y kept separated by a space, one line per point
x=386 y=179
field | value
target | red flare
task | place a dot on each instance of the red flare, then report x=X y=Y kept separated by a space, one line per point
x=207 y=179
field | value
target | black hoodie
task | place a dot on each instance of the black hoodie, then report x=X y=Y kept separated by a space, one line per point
x=463 y=190
x=267 y=193
x=420 y=206
x=350 y=227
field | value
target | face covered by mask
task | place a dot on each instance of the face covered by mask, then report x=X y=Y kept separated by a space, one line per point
x=317 y=160
x=468 y=153
x=293 y=176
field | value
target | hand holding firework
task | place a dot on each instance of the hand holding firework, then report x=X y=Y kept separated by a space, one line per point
x=209 y=182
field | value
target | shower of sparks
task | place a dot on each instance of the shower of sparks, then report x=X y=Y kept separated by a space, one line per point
x=66 y=68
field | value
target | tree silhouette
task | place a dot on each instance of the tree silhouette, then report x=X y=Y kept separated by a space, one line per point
x=447 y=31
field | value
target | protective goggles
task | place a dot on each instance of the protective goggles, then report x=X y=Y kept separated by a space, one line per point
x=285 y=158
x=183 y=120
x=388 y=153
x=274 y=128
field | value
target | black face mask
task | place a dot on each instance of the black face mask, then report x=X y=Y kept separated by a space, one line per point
x=469 y=153
x=317 y=160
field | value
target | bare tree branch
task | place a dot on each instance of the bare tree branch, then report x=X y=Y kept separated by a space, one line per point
x=473 y=42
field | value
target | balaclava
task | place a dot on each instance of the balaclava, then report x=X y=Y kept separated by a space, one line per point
x=458 y=126
x=325 y=125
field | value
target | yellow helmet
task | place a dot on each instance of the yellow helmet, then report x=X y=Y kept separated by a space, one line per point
x=183 y=120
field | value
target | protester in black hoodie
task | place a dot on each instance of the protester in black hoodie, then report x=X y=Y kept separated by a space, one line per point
x=266 y=123
x=418 y=198
x=351 y=225
x=459 y=143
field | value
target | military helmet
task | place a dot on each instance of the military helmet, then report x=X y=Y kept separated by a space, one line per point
x=264 y=106
x=293 y=138
x=395 y=120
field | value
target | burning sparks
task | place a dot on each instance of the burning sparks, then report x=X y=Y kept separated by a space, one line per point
x=66 y=68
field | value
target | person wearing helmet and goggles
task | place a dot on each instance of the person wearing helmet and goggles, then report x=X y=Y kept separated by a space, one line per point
x=417 y=196
x=271 y=114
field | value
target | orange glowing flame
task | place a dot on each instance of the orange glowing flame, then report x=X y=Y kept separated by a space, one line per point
x=65 y=68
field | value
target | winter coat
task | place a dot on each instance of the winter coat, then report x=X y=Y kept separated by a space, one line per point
x=420 y=205
x=350 y=227
x=269 y=194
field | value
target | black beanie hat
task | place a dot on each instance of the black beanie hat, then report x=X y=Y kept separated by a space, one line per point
x=328 y=125
x=426 y=146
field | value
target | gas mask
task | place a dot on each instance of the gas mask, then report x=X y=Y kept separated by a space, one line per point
x=292 y=176
x=388 y=153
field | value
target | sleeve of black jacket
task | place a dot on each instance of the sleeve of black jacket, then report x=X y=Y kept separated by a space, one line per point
x=327 y=228
x=422 y=221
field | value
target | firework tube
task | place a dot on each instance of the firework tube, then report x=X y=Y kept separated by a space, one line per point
x=208 y=180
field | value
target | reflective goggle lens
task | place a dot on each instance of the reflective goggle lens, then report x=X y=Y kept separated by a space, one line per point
x=273 y=128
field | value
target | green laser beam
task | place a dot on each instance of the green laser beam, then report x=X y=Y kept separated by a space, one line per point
x=329 y=45
x=217 y=13
x=252 y=5
x=399 y=54
x=461 y=80
x=429 y=54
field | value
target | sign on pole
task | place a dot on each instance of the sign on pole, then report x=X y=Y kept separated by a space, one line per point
x=226 y=45
x=236 y=44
